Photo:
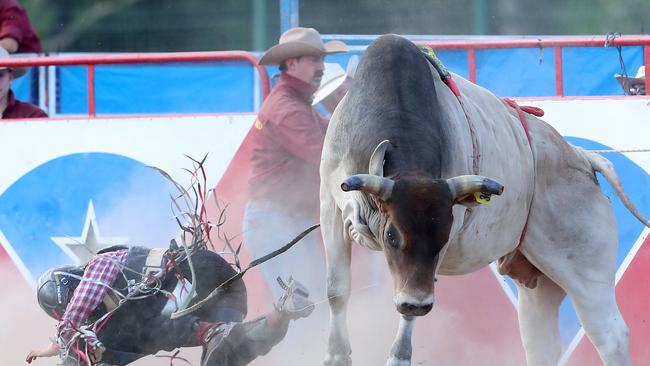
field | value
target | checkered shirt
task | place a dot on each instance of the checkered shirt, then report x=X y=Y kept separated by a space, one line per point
x=100 y=273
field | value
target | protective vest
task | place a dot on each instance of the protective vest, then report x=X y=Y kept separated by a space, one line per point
x=140 y=263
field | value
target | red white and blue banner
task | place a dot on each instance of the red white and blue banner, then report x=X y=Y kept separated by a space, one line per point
x=69 y=186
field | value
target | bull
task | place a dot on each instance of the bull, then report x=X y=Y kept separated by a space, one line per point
x=405 y=163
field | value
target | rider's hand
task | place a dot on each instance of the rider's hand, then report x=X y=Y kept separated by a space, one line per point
x=95 y=347
x=49 y=351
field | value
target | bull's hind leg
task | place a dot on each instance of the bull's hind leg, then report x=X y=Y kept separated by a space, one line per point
x=571 y=238
x=573 y=242
x=585 y=270
x=595 y=304
x=538 y=322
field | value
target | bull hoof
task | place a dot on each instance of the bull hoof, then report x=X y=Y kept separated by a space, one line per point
x=393 y=361
x=337 y=360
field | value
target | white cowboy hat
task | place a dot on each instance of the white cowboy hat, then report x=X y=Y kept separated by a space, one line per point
x=333 y=77
x=298 y=42
x=640 y=73
x=639 y=78
x=633 y=85
x=17 y=71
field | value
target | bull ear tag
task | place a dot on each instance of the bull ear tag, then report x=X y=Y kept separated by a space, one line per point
x=482 y=198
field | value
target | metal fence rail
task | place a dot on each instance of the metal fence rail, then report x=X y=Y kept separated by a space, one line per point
x=557 y=43
x=134 y=58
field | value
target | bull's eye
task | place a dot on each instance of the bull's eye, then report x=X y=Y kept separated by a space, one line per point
x=391 y=238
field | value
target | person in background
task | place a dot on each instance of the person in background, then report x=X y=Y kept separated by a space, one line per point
x=16 y=33
x=287 y=139
x=10 y=107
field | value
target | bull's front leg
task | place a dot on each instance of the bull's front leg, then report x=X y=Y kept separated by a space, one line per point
x=338 y=255
x=400 y=352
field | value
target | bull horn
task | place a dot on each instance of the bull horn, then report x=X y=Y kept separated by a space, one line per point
x=375 y=185
x=464 y=185
x=376 y=165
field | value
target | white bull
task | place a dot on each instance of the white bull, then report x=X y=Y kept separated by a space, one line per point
x=399 y=171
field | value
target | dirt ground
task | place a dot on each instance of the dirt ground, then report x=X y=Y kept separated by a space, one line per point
x=457 y=332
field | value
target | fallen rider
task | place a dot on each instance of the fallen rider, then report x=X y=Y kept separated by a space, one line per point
x=116 y=309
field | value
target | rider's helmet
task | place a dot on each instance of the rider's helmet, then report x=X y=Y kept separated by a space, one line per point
x=56 y=287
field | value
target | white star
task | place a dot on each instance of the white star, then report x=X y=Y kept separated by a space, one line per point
x=83 y=248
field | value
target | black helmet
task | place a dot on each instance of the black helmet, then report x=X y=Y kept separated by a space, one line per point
x=56 y=287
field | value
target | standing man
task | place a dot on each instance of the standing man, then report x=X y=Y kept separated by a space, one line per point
x=287 y=140
x=10 y=107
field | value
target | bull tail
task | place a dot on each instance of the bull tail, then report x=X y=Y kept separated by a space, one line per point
x=606 y=168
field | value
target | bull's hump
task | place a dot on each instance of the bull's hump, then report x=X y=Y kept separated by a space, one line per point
x=393 y=81
x=390 y=51
x=389 y=42
x=393 y=74
x=394 y=98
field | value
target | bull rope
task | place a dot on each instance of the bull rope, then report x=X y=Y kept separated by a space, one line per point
x=445 y=76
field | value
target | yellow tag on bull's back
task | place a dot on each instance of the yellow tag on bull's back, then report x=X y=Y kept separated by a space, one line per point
x=482 y=198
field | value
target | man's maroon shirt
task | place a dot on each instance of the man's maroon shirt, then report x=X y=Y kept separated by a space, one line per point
x=17 y=109
x=287 y=142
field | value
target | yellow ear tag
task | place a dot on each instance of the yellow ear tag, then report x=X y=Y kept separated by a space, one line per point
x=482 y=198
x=258 y=124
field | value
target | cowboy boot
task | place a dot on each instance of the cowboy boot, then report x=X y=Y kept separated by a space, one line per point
x=294 y=303
x=237 y=344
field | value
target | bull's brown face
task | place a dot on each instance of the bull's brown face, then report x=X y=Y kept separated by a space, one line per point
x=417 y=219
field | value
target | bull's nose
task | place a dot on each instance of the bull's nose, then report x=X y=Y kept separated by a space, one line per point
x=412 y=306
x=414 y=309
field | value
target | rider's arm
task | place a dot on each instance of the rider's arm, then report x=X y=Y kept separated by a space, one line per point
x=49 y=351
x=100 y=273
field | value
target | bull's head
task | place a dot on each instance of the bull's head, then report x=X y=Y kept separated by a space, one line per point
x=415 y=220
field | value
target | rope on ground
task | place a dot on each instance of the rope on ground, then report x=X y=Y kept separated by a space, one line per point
x=216 y=291
x=614 y=151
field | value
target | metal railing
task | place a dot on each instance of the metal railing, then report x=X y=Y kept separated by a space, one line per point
x=136 y=58
x=557 y=43
x=471 y=45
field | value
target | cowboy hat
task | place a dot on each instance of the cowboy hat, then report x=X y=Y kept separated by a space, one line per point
x=633 y=85
x=639 y=77
x=298 y=42
x=333 y=77
x=17 y=71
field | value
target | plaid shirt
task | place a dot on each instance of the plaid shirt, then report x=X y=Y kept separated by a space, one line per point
x=100 y=273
